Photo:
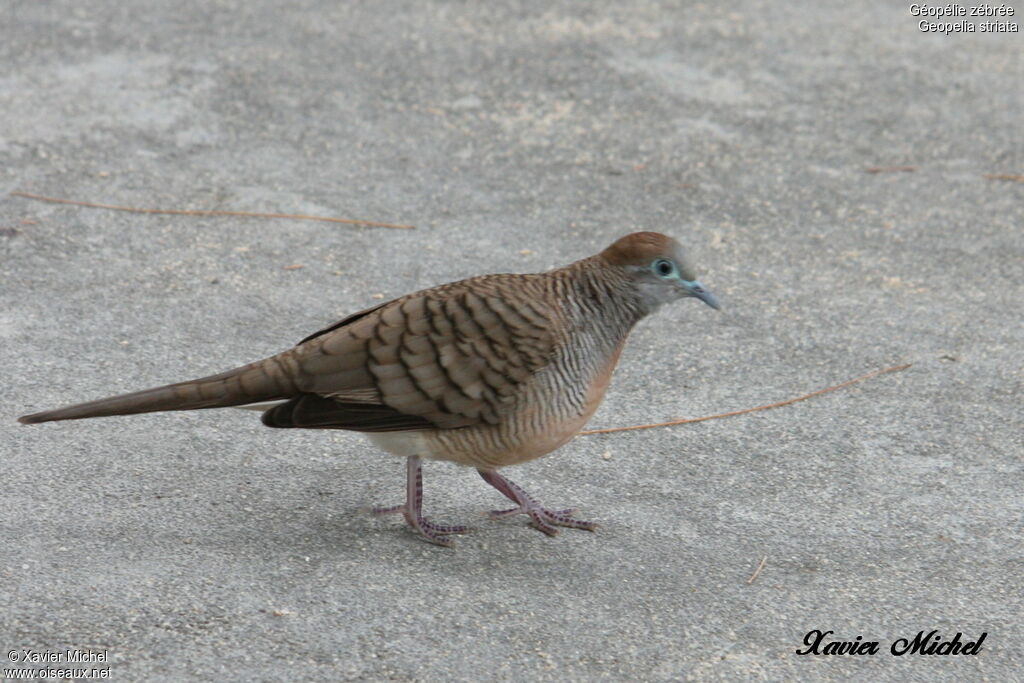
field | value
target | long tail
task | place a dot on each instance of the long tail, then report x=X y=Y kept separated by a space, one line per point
x=265 y=380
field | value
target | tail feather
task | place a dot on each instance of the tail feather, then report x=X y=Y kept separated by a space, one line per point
x=264 y=380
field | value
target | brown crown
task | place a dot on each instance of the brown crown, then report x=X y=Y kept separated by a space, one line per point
x=639 y=249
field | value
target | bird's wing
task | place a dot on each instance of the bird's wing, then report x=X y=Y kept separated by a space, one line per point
x=345 y=321
x=447 y=357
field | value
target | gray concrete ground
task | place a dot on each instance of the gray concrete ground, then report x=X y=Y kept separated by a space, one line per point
x=517 y=136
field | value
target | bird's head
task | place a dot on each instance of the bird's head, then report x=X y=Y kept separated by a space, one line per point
x=658 y=268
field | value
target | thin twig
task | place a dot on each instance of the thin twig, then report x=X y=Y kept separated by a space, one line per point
x=1005 y=176
x=211 y=212
x=758 y=570
x=890 y=169
x=687 y=420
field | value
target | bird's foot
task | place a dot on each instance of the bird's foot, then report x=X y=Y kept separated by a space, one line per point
x=540 y=517
x=435 y=533
x=546 y=520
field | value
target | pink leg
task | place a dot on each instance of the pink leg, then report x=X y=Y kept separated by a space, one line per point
x=412 y=509
x=540 y=517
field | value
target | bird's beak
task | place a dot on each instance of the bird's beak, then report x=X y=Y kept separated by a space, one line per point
x=696 y=289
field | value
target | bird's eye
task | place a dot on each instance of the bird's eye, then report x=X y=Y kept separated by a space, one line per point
x=663 y=267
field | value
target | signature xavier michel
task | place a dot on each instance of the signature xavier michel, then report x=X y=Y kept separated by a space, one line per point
x=931 y=643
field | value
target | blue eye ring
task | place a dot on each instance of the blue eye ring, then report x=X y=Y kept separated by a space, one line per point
x=663 y=268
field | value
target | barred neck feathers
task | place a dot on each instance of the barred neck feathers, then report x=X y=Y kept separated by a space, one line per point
x=602 y=295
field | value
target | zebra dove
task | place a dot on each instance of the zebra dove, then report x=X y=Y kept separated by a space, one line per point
x=487 y=372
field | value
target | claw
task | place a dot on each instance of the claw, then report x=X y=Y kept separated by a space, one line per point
x=540 y=517
x=412 y=509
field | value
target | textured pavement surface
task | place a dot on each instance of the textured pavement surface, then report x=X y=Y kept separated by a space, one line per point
x=517 y=136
